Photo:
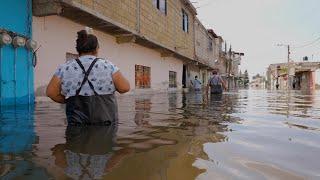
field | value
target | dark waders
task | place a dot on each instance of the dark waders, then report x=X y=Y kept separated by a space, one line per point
x=216 y=89
x=215 y=85
x=96 y=110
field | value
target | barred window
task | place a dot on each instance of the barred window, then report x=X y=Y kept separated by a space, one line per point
x=172 y=79
x=142 y=76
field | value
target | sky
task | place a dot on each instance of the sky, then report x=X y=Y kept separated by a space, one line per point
x=255 y=27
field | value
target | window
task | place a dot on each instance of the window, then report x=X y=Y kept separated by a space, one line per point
x=204 y=79
x=210 y=45
x=185 y=21
x=172 y=79
x=161 y=5
x=142 y=76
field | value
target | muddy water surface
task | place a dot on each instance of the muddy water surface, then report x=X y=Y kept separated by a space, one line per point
x=241 y=135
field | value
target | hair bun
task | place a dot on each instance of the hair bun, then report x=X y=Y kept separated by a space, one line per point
x=86 y=42
x=82 y=34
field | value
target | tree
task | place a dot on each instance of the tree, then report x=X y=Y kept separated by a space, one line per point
x=246 y=79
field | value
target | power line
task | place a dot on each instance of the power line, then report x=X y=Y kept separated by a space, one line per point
x=206 y=3
x=308 y=44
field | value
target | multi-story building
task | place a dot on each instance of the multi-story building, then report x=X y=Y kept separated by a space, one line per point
x=157 y=44
x=234 y=71
x=151 y=41
x=205 y=53
x=209 y=55
x=228 y=63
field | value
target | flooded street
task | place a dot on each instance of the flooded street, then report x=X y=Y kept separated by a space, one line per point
x=249 y=134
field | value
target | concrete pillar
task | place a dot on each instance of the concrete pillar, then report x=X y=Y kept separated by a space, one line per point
x=312 y=81
x=308 y=80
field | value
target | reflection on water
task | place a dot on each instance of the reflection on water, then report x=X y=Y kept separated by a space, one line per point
x=87 y=153
x=241 y=135
x=17 y=139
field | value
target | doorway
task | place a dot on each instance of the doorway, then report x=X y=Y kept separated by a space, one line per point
x=184 y=76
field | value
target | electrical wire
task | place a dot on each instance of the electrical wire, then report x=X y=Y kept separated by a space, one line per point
x=206 y=3
x=308 y=44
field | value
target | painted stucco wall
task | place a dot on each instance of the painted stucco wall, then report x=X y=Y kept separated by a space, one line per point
x=57 y=35
x=16 y=71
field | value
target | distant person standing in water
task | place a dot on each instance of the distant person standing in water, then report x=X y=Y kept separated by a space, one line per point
x=196 y=84
x=87 y=85
x=216 y=84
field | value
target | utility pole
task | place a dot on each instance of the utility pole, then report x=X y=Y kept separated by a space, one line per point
x=289 y=78
x=288 y=65
x=288 y=53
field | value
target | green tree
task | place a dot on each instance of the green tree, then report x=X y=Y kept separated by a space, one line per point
x=246 y=78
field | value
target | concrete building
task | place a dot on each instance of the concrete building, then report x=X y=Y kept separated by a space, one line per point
x=209 y=55
x=205 y=53
x=229 y=66
x=258 y=82
x=142 y=38
x=295 y=75
x=234 y=70
x=221 y=62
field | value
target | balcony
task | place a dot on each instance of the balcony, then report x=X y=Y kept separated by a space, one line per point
x=79 y=13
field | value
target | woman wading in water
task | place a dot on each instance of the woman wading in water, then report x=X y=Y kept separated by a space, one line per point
x=87 y=85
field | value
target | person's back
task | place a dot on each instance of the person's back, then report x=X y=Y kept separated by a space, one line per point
x=93 y=104
x=87 y=86
x=216 y=84
x=197 y=85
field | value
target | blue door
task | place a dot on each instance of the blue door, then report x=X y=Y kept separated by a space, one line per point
x=16 y=70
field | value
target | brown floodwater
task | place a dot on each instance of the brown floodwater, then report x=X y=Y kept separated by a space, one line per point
x=248 y=134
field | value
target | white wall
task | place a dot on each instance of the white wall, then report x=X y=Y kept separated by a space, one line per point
x=317 y=76
x=57 y=36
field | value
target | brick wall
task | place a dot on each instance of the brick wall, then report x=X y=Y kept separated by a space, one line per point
x=165 y=29
x=204 y=52
x=121 y=11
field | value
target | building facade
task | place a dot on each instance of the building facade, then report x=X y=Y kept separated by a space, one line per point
x=157 y=44
x=234 y=70
x=293 y=75
x=204 y=53
x=258 y=82
x=141 y=37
